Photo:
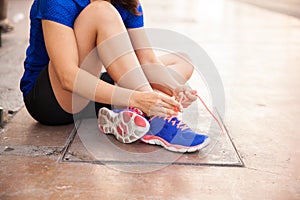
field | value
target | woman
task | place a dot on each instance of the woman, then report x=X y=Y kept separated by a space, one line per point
x=70 y=40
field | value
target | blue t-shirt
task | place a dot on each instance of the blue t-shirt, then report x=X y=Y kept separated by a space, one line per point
x=64 y=12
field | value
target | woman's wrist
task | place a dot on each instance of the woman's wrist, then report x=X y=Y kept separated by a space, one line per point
x=134 y=99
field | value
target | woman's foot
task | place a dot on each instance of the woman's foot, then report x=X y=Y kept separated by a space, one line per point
x=126 y=125
x=174 y=135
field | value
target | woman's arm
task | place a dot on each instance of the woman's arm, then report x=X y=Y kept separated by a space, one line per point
x=157 y=74
x=62 y=49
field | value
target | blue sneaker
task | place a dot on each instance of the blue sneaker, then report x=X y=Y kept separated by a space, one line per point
x=174 y=135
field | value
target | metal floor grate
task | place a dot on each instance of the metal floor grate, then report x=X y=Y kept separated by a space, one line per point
x=86 y=144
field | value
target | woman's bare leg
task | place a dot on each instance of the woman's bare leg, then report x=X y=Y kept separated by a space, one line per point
x=107 y=29
x=98 y=22
x=179 y=66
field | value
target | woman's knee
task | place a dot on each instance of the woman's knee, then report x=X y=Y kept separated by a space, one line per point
x=97 y=22
x=102 y=12
x=180 y=63
x=185 y=61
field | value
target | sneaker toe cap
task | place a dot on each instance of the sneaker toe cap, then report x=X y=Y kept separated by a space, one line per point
x=193 y=139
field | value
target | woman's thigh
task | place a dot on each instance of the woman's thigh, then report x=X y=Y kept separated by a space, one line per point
x=85 y=31
x=42 y=105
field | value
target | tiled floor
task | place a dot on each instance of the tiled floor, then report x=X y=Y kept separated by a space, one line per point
x=256 y=53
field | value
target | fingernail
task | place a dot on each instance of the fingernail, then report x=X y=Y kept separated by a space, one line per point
x=175 y=109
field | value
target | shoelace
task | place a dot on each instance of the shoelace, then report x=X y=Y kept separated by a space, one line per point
x=177 y=122
x=211 y=113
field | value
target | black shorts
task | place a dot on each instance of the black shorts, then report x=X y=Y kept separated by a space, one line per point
x=44 y=108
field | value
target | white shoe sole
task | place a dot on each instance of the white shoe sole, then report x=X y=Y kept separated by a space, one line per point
x=177 y=148
x=126 y=126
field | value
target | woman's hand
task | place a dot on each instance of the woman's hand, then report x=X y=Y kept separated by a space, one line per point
x=185 y=95
x=157 y=104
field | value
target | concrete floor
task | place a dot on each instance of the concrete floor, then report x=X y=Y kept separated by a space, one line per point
x=256 y=53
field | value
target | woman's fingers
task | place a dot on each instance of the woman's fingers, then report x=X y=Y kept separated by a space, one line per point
x=175 y=105
x=186 y=104
x=181 y=96
x=158 y=104
x=162 y=112
x=165 y=105
x=168 y=106
x=191 y=96
x=194 y=92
